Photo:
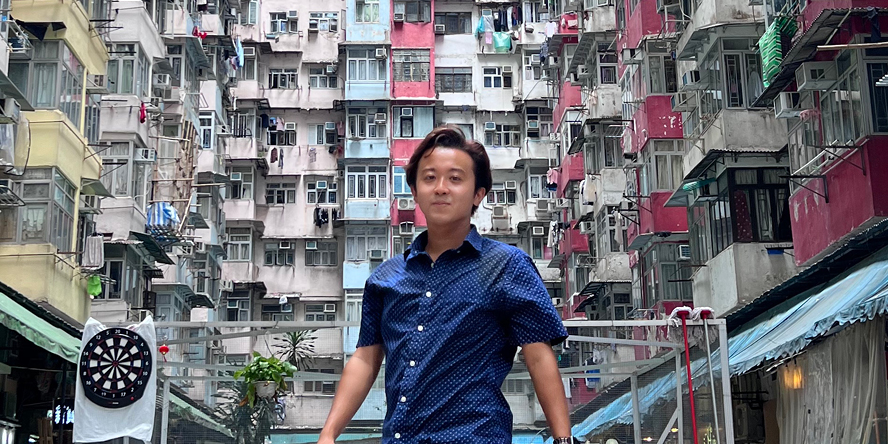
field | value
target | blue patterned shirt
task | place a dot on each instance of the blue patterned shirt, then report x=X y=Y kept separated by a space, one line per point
x=450 y=330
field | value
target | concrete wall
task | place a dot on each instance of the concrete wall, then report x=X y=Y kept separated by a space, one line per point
x=120 y=120
x=355 y=274
x=133 y=23
x=711 y=13
x=367 y=149
x=604 y=101
x=495 y=99
x=35 y=271
x=740 y=130
x=119 y=217
x=368 y=32
x=368 y=209
x=739 y=274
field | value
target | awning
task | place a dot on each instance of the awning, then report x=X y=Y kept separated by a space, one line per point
x=94 y=187
x=187 y=411
x=153 y=247
x=10 y=90
x=37 y=330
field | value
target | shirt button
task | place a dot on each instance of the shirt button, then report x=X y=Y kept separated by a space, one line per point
x=419 y=328
x=428 y=294
x=413 y=363
x=403 y=399
x=397 y=436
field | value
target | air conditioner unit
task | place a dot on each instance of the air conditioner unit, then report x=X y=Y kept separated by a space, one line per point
x=377 y=254
x=534 y=59
x=284 y=245
x=329 y=308
x=489 y=126
x=406 y=204
x=440 y=29
x=380 y=117
x=544 y=206
x=249 y=51
x=146 y=155
x=292 y=15
x=631 y=56
x=815 y=76
x=406 y=229
x=236 y=177
x=684 y=252
x=511 y=184
x=311 y=245
x=691 y=81
x=583 y=72
x=507 y=68
x=11 y=112
x=406 y=112
x=321 y=185
x=331 y=69
x=380 y=53
x=788 y=105
x=286 y=308
x=557 y=302
x=97 y=84
x=587 y=227
x=398 y=17
x=226 y=285
x=533 y=124
x=486 y=12
x=290 y=126
x=313 y=25
x=162 y=80
x=330 y=126
x=500 y=212
x=539 y=231
x=684 y=101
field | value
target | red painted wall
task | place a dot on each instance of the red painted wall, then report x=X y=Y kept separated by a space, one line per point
x=574 y=242
x=654 y=119
x=854 y=198
x=572 y=169
x=815 y=7
x=568 y=97
x=660 y=218
x=402 y=149
x=643 y=21
x=415 y=36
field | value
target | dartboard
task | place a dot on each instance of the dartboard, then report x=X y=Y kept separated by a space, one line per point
x=115 y=367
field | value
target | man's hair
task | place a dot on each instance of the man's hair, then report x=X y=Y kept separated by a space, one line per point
x=450 y=136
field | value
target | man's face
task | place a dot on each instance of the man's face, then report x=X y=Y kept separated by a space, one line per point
x=445 y=186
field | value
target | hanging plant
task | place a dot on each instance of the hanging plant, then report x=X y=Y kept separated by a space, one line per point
x=264 y=377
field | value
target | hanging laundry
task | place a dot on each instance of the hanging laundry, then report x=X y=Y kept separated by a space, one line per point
x=479 y=30
x=497 y=22
x=143 y=113
x=280 y=124
x=552 y=176
x=519 y=14
x=340 y=128
x=544 y=51
x=502 y=42
x=281 y=159
x=240 y=53
x=94 y=285
x=93 y=252
x=265 y=120
x=510 y=16
x=551 y=239
x=274 y=155
x=551 y=29
x=488 y=29
x=312 y=155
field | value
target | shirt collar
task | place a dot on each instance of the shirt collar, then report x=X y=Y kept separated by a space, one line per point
x=418 y=246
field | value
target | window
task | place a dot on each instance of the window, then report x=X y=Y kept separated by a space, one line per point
x=248 y=71
x=362 y=122
x=415 y=11
x=732 y=77
x=206 y=132
x=663 y=77
x=277 y=138
x=93 y=118
x=316 y=312
x=318 y=77
x=539 y=121
x=367 y=11
x=241 y=186
x=665 y=278
x=363 y=65
x=400 y=244
x=325 y=255
x=663 y=166
x=322 y=192
x=536 y=187
x=878 y=96
x=280 y=193
x=128 y=70
x=453 y=80
x=324 y=21
x=282 y=78
x=607 y=64
x=251 y=17
x=500 y=195
x=504 y=135
x=52 y=79
x=743 y=205
x=539 y=248
x=320 y=135
x=536 y=12
x=611 y=235
x=367 y=182
x=840 y=106
x=240 y=244
x=399 y=179
x=413 y=121
x=48 y=212
x=277 y=256
x=532 y=69
x=411 y=65
x=495 y=78
x=325 y=387
x=278 y=23
x=242 y=123
x=454 y=23
x=277 y=312
x=238 y=307
x=361 y=241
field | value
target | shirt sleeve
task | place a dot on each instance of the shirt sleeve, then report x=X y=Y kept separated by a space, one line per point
x=371 y=316
x=531 y=316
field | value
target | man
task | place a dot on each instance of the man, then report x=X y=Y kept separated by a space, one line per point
x=448 y=316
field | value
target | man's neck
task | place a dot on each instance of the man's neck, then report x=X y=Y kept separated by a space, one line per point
x=443 y=238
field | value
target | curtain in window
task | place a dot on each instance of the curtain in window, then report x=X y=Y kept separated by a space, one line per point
x=34 y=222
x=45 y=84
x=423 y=121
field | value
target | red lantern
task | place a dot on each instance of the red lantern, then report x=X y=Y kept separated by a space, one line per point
x=164 y=350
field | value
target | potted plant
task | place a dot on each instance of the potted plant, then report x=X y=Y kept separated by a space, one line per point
x=264 y=377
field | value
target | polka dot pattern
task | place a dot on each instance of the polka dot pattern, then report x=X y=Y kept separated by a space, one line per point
x=450 y=331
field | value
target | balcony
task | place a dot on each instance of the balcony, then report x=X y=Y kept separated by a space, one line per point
x=355 y=273
x=367 y=209
x=43 y=275
x=604 y=102
x=73 y=26
x=739 y=274
x=711 y=14
x=738 y=130
x=367 y=149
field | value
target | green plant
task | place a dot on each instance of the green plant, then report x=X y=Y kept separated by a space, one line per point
x=261 y=369
x=250 y=424
x=297 y=348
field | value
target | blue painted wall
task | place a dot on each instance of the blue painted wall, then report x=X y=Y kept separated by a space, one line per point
x=367 y=209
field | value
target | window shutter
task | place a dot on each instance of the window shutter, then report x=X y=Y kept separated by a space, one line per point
x=253 y=13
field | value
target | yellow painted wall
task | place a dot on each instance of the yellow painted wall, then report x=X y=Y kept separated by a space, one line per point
x=55 y=142
x=85 y=42
x=35 y=271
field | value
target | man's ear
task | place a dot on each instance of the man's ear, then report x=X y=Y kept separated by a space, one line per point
x=480 y=193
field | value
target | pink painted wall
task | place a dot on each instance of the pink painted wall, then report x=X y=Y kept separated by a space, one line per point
x=854 y=198
x=568 y=97
x=654 y=119
x=402 y=149
x=574 y=242
x=815 y=7
x=572 y=169
x=659 y=218
x=643 y=21
x=414 y=36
